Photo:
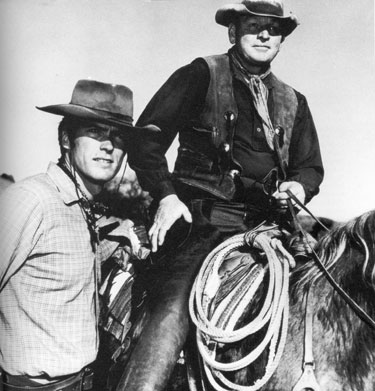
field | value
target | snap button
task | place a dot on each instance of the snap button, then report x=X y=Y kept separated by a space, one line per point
x=233 y=173
x=225 y=147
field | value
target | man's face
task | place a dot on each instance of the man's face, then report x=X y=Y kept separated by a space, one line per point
x=257 y=38
x=97 y=153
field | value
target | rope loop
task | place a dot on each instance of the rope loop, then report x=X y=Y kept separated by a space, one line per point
x=216 y=314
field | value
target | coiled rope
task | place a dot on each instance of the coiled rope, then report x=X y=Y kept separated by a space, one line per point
x=217 y=325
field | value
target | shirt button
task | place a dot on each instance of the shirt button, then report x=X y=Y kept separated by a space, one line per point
x=259 y=130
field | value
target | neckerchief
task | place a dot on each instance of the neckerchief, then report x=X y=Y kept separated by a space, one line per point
x=92 y=209
x=259 y=92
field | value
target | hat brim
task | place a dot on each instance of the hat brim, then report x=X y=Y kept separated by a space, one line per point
x=226 y=14
x=101 y=116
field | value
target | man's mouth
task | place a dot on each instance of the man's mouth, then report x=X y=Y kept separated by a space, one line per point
x=103 y=160
x=261 y=47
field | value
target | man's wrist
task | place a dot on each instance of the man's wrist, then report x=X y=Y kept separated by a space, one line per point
x=165 y=188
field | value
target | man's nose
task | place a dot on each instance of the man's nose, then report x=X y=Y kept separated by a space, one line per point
x=264 y=34
x=107 y=144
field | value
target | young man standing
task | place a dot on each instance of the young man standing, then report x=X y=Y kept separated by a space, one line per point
x=52 y=248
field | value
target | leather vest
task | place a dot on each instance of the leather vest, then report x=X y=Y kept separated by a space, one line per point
x=205 y=158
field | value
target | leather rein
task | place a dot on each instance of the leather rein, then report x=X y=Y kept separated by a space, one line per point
x=308 y=379
x=278 y=141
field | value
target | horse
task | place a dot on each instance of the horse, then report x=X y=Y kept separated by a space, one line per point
x=343 y=344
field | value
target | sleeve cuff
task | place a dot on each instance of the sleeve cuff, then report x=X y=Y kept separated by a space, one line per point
x=164 y=189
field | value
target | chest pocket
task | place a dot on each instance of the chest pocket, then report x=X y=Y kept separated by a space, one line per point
x=249 y=129
x=258 y=140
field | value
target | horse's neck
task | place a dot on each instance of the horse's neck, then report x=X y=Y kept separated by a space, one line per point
x=348 y=337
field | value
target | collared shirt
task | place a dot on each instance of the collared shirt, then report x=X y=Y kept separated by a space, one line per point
x=181 y=100
x=47 y=278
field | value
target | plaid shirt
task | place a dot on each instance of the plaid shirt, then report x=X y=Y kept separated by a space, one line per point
x=47 y=279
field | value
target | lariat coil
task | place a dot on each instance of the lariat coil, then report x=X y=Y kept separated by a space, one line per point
x=216 y=321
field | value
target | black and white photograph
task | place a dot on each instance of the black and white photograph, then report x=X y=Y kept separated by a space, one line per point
x=187 y=195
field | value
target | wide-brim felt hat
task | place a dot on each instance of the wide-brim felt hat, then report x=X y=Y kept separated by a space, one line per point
x=110 y=104
x=271 y=8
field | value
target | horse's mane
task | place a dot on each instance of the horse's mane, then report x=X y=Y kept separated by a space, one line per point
x=359 y=234
x=348 y=252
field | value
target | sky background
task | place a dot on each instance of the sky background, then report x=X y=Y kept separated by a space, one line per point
x=47 y=45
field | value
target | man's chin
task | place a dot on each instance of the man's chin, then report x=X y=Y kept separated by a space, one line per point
x=99 y=180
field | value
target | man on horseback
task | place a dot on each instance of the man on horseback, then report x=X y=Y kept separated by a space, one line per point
x=247 y=141
x=52 y=248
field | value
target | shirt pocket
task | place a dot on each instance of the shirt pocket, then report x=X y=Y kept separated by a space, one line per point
x=258 y=139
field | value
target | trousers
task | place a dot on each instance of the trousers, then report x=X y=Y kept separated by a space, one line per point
x=163 y=337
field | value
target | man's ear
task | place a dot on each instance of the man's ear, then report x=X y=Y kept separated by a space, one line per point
x=232 y=33
x=65 y=142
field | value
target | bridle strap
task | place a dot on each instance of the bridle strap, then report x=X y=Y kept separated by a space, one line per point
x=308 y=379
x=352 y=304
x=309 y=315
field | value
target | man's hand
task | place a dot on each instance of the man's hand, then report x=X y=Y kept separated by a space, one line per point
x=281 y=196
x=169 y=211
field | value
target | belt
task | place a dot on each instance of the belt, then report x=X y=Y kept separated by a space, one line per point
x=82 y=381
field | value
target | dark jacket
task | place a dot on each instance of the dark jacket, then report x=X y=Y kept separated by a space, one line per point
x=208 y=154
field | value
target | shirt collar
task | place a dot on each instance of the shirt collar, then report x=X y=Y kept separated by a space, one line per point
x=268 y=80
x=63 y=183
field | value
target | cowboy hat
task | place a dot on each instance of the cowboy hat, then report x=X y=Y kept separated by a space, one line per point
x=100 y=102
x=271 y=8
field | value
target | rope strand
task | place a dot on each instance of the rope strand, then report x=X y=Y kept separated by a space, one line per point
x=218 y=326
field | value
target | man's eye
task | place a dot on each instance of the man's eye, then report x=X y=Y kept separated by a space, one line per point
x=118 y=139
x=94 y=130
x=274 y=29
x=253 y=27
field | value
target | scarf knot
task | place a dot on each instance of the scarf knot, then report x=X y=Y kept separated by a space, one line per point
x=259 y=93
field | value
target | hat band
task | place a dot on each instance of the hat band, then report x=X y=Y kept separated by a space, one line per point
x=261 y=7
x=108 y=114
x=122 y=117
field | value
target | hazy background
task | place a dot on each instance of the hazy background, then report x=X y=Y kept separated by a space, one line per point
x=47 y=45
